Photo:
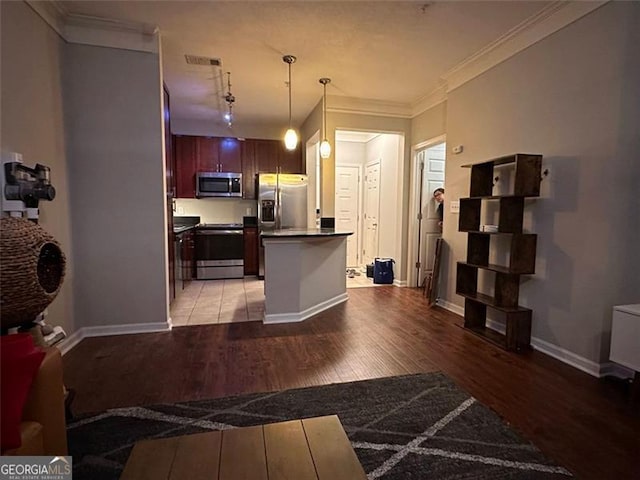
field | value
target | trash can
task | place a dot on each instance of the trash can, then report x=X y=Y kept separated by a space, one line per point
x=370 y=270
x=383 y=270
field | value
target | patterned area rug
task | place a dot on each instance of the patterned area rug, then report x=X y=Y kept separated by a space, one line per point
x=408 y=427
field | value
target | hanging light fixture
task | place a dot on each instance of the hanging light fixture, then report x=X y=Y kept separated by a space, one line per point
x=325 y=146
x=290 y=137
x=229 y=98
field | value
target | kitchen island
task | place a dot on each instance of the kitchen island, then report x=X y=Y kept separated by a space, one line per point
x=304 y=272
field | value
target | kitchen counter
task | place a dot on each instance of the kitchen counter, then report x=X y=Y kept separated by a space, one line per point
x=305 y=232
x=177 y=229
x=304 y=272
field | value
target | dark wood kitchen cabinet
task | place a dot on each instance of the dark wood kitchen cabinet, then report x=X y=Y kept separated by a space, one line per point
x=290 y=161
x=230 y=155
x=251 y=250
x=271 y=156
x=222 y=154
x=248 y=155
x=219 y=154
x=186 y=153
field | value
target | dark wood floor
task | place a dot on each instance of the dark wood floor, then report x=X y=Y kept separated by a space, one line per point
x=585 y=424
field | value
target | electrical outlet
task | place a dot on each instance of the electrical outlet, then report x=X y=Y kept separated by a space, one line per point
x=454 y=206
x=180 y=210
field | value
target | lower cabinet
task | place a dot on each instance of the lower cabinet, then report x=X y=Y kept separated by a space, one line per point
x=187 y=257
x=184 y=265
x=251 y=250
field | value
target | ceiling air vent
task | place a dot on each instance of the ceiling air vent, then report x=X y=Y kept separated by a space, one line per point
x=196 y=60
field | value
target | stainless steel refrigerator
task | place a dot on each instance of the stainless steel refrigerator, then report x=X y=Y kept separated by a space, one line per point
x=282 y=204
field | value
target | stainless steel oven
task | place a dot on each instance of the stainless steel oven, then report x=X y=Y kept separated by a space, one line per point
x=219 y=251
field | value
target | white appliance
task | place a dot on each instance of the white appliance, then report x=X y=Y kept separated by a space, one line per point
x=625 y=336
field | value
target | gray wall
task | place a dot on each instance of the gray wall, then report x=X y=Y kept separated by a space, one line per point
x=32 y=124
x=114 y=138
x=572 y=97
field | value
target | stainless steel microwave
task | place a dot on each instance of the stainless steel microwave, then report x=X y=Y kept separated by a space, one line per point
x=218 y=184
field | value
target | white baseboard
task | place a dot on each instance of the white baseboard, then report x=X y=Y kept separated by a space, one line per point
x=309 y=312
x=565 y=356
x=452 y=307
x=399 y=283
x=615 y=370
x=85 y=332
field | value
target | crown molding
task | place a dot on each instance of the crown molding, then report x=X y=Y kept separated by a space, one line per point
x=52 y=12
x=547 y=21
x=435 y=97
x=106 y=32
x=97 y=31
x=367 y=106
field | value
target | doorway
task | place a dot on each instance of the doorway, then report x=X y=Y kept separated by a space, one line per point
x=428 y=172
x=368 y=198
x=313 y=179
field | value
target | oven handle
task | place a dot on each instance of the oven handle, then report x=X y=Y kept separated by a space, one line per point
x=219 y=232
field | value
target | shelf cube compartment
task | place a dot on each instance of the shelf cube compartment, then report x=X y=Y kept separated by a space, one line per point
x=469 y=218
x=507 y=289
x=466 y=279
x=528 y=175
x=481 y=180
x=511 y=213
x=478 y=248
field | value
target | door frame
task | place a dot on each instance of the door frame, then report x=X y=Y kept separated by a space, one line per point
x=314 y=190
x=360 y=206
x=414 y=206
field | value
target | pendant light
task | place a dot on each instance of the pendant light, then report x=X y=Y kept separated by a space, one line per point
x=291 y=137
x=325 y=146
x=229 y=98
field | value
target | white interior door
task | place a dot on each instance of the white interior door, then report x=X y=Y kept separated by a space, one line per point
x=432 y=178
x=371 y=211
x=347 y=205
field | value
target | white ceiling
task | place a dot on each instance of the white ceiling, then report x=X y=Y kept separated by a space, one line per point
x=389 y=51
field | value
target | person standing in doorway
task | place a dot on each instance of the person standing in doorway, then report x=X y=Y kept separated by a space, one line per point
x=438 y=194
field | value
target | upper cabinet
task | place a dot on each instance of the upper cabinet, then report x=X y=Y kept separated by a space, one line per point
x=217 y=154
x=220 y=154
x=186 y=148
x=290 y=161
x=266 y=155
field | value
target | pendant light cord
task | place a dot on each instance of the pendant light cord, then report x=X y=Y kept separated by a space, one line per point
x=289 y=95
x=324 y=112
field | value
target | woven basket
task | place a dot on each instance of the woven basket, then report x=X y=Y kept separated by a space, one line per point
x=32 y=268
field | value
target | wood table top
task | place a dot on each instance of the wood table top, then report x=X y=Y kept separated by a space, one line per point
x=306 y=449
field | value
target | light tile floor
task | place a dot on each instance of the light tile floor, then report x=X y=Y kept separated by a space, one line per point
x=206 y=302
x=359 y=279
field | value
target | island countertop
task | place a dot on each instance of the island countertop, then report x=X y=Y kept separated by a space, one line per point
x=305 y=232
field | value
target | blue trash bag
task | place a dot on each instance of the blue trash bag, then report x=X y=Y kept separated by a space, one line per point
x=383 y=270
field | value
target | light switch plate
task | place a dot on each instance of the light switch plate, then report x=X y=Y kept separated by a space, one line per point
x=180 y=210
x=454 y=206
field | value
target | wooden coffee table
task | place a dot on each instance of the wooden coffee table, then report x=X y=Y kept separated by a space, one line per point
x=307 y=449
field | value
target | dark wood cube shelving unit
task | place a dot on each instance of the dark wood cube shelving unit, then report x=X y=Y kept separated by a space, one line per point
x=522 y=251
